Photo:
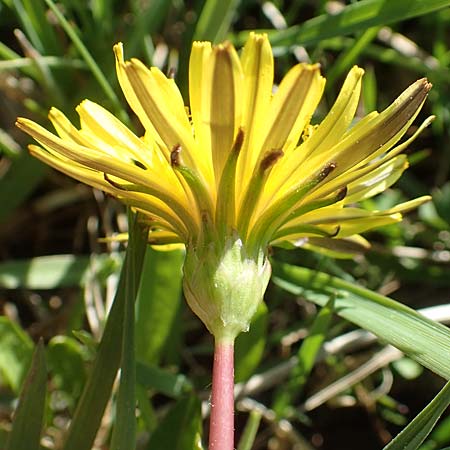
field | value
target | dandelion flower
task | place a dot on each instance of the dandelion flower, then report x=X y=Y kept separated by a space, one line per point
x=242 y=169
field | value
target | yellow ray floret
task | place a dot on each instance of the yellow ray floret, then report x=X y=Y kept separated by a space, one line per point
x=243 y=159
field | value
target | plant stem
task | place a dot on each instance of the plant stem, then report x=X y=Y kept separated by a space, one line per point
x=221 y=426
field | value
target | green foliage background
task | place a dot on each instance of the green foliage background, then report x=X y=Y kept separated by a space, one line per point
x=307 y=376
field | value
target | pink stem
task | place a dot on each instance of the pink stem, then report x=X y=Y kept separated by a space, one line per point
x=221 y=426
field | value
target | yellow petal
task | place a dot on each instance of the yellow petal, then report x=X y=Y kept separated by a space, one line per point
x=376 y=180
x=154 y=206
x=290 y=111
x=355 y=174
x=225 y=115
x=409 y=205
x=332 y=247
x=368 y=141
x=200 y=97
x=339 y=118
x=292 y=106
x=258 y=69
x=215 y=85
x=97 y=160
x=98 y=123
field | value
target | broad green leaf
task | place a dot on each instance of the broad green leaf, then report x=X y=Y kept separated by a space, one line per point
x=415 y=433
x=162 y=381
x=51 y=272
x=15 y=354
x=97 y=391
x=158 y=302
x=357 y=16
x=66 y=363
x=249 y=347
x=181 y=427
x=29 y=416
x=215 y=20
x=422 y=339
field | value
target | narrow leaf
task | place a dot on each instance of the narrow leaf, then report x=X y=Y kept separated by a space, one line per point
x=29 y=416
x=357 y=16
x=417 y=430
x=90 y=61
x=124 y=431
x=215 y=20
x=424 y=340
x=97 y=391
x=250 y=430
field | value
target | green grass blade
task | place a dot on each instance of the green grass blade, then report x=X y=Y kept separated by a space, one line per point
x=37 y=14
x=149 y=18
x=422 y=339
x=25 y=64
x=90 y=61
x=349 y=57
x=415 y=433
x=97 y=391
x=215 y=20
x=158 y=302
x=7 y=54
x=250 y=430
x=124 y=431
x=369 y=90
x=28 y=25
x=355 y=17
x=29 y=416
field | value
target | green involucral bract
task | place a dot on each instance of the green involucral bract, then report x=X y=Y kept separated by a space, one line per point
x=224 y=285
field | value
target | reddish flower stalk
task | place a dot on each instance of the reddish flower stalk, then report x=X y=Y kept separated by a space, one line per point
x=221 y=427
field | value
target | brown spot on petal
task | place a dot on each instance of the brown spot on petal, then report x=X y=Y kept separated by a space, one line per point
x=342 y=192
x=238 y=141
x=270 y=159
x=175 y=155
x=326 y=170
x=111 y=182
